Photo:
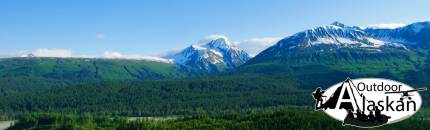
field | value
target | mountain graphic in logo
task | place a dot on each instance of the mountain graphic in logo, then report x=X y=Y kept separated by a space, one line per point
x=368 y=102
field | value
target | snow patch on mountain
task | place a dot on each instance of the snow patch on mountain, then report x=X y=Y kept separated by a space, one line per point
x=117 y=55
x=376 y=43
x=384 y=26
x=331 y=40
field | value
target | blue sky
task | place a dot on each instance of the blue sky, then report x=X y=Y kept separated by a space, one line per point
x=151 y=27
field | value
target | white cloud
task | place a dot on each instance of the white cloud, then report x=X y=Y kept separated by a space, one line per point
x=43 y=52
x=252 y=46
x=210 y=38
x=6 y=55
x=256 y=45
x=112 y=55
x=117 y=55
x=170 y=53
x=63 y=53
x=100 y=36
x=86 y=56
x=13 y=54
x=385 y=25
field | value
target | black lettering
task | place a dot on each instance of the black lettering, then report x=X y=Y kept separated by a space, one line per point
x=401 y=106
x=371 y=104
x=364 y=103
x=381 y=106
x=361 y=84
x=389 y=105
x=415 y=105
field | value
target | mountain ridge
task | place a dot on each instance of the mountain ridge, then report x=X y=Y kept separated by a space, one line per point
x=335 y=47
x=338 y=49
x=415 y=35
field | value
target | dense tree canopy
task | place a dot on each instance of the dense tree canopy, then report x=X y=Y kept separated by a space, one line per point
x=267 y=119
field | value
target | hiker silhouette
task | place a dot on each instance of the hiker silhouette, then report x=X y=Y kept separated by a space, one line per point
x=318 y=94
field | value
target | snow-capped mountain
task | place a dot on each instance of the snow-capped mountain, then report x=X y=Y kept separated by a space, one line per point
x=416 y=35
x=338 y=49
x=335 y=35
x=210 y=54
x=28 y=55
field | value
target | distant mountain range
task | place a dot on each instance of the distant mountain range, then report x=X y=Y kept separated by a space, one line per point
x=341 y=50
x=335 y=48
x=416 y=35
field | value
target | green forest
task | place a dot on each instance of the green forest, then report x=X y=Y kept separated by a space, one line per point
x=157 y=98
x=211 y=102
x=257 y=119
x=46 y=93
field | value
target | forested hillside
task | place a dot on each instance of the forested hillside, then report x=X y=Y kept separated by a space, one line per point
x=86 y=69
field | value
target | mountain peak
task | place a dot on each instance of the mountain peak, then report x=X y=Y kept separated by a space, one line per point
x=339 y=24
x=218 y=43
x=209 y=53
x=215 y=42
x=213 y=38
x=30 y=55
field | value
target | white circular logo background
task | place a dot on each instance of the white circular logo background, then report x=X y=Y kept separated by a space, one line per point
x=386 y=94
